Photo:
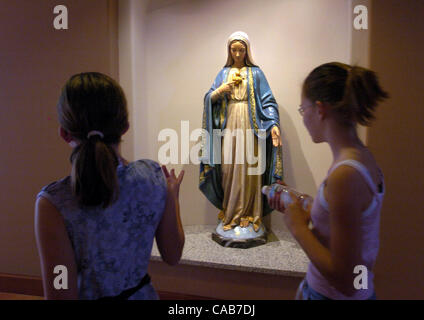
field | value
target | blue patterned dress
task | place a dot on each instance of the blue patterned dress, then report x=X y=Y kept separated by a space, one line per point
x=112 y=246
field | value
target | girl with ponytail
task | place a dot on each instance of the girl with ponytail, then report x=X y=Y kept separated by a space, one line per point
x=343 y=244
x=100 y=221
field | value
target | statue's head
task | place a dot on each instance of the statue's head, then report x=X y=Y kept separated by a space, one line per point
x=238 y=47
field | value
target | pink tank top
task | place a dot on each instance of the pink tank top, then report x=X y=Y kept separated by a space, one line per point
x=370 y=224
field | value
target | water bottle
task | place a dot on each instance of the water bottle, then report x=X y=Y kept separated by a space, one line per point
x=269 y=191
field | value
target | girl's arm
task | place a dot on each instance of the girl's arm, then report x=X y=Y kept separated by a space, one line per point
x=345 y=189
x=54 y=249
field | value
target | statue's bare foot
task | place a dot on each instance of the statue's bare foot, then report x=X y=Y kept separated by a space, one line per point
x=221 y=215
x=227 y=227
x=256 y=227
x=244 y=223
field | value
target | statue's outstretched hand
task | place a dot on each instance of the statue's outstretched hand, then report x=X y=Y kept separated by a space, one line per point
x=276 y=138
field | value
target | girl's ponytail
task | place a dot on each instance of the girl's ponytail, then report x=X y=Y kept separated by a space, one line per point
x=93 y=177
x=362 y=95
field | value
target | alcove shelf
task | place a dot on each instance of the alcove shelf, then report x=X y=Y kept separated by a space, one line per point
x=206 y=269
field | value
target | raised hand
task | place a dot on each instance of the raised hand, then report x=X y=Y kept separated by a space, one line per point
x=173 y=181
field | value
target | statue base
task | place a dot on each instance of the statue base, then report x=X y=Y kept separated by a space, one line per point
x=239 y=237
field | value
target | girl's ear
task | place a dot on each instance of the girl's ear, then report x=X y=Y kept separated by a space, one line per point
x=322 y=109
x=65 y=135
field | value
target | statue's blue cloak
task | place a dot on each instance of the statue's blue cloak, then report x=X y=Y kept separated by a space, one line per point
x=263 y=115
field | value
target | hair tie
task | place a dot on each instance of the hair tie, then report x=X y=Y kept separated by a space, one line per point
x=95 y=133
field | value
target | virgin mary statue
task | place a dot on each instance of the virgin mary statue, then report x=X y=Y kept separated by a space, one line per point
x=242 y=143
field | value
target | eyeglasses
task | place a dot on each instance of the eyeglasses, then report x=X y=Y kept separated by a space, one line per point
x=302 y=109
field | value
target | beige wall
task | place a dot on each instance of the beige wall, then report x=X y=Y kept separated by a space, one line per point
x=35 y=62
x=396 y=53
x=185 y=47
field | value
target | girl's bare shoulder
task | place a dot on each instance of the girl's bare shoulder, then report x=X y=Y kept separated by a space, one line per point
x=366 y=158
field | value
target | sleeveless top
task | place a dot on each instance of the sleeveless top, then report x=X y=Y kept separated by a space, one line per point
x=370 y=224
x=112 y=246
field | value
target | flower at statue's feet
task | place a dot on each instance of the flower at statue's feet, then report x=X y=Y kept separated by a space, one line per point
x=227 y=227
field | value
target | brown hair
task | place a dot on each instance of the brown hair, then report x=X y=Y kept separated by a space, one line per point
x=353 y=92
x=94 y=101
